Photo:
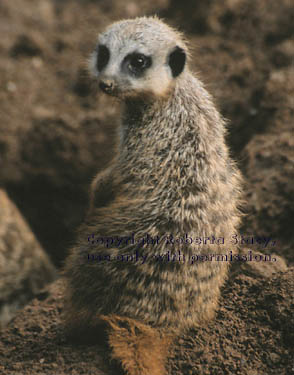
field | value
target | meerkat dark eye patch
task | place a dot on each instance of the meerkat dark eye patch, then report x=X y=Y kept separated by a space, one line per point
x=137 y=63
x=176 y=61
x=103 y=56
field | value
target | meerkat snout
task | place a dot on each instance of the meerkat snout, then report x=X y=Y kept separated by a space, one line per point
x=107 y=86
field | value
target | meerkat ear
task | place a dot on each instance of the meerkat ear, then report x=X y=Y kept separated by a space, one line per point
x=177 y=60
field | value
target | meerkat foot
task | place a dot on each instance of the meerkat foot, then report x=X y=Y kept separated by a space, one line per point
x=140 y=349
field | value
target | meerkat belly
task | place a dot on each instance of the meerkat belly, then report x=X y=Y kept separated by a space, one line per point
x=171 y=292
x=158 y=278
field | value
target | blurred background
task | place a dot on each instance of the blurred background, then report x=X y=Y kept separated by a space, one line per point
x=57 y=130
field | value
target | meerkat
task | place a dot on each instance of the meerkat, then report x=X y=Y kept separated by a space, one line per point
x=172 y=178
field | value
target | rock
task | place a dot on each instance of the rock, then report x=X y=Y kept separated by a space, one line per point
x=282 y=54
x=56 y=131
x=259 y=265
x=25 y=46
x=25 y=268
x=269 y=161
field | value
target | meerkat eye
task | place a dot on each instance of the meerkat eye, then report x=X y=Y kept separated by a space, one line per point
x=103 y=55
x=137 y=62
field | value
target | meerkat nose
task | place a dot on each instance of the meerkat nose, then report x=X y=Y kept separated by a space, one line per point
x=107 y=86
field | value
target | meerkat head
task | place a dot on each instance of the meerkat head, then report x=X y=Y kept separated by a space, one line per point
x=138 y=57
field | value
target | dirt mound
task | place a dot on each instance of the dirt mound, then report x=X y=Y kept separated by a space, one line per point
x=252 y=334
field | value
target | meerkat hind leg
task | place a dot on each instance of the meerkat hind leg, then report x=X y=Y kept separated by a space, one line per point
x=140 y=349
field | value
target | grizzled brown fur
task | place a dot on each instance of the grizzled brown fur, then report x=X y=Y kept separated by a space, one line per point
x=172 y=175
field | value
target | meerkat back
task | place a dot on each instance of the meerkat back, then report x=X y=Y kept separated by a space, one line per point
x=144 y=267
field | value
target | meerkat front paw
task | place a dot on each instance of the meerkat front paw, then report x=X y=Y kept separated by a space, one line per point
x=101 y=190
